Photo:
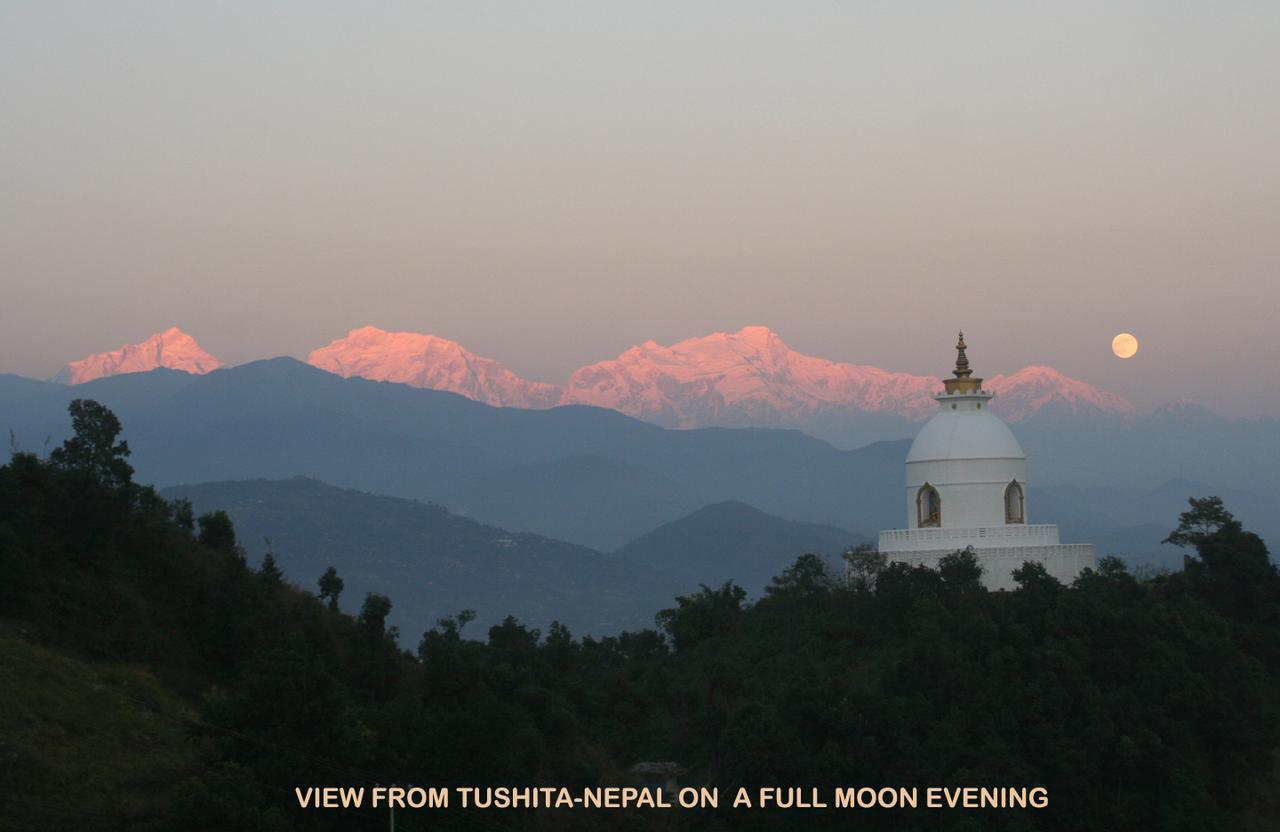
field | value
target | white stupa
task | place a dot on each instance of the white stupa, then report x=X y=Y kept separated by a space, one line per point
x=967 y=486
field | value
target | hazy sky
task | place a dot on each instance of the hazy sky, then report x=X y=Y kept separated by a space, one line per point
x=550 y=183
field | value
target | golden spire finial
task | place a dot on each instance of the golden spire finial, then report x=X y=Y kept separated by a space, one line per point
x=963 y=381
x=962 y=360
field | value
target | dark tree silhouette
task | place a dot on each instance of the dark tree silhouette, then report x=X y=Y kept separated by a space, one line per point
x=374 y=612
x=1205 y=518
x=93 y=449
x=217 y=531
x=961 y=570
x=863 y=564
x=184 y=514
x=331 y=587
x=807 y=576
x=270 y=570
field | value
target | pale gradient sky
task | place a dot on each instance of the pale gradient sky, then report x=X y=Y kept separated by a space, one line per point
x=550 y=183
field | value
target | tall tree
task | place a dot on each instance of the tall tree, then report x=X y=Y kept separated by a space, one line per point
x=374 y=612
x=183 y=514
x=270 y=570
x=93 y=448
x=961 y=570
x=863 y=565
x=331 y=587
x=1206 y=517
x=217 y=531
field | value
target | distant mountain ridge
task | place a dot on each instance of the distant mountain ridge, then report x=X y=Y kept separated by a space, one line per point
x=14 y=387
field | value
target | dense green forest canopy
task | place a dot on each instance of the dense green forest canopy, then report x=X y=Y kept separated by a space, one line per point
x=154 y=679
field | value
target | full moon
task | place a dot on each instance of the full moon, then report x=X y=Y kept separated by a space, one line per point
x=1124 y=345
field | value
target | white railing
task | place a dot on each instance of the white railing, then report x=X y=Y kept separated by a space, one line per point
x=1063 y=561
x=906 y=540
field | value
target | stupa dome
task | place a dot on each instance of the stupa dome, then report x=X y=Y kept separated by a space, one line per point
x=964 y=433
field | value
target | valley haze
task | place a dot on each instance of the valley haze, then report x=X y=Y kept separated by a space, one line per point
x=586 y=476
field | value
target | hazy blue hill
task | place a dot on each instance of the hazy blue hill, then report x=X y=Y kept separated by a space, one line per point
x=874 y=484
x=861 y=490
x=591 y=500
x=847 y=429
x=282 y=385
x=1259 y=510
x=14 y=387
x=1176 y=442
x=1131 y=523
x=137 y=390
x=130 y=396
x=308 y=441
x=605 y=503
x=431 y=562
x=734 y=541
x=270 y=419
x=782 y=472
x=149 y=402
x=280 y=417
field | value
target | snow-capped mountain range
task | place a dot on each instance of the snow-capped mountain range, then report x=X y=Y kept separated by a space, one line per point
x=427 y=361
x=740 y=378
x=1032 y=389
x=172 y=348
x=749 y=377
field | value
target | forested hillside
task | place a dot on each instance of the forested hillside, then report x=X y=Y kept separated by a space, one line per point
x=734 y=541
x=434 y=561
x=155 y=680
